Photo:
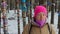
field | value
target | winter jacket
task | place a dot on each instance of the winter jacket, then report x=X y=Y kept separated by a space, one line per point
x=34 y=29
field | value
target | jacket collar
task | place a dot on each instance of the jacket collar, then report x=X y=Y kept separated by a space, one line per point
x=35 y=25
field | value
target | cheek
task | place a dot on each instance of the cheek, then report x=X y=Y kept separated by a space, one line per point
x=37 y=18
x=44 y=18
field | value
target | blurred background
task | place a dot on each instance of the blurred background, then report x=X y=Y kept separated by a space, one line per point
x=15 y=14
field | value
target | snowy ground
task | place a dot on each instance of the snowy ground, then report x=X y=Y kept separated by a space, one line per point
x=12 y=24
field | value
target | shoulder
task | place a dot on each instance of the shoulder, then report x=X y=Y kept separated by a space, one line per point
x=26 y=27
x=52 y=28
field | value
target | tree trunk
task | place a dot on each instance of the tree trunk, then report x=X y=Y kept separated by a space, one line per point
x=52 y=12
x=18 y=19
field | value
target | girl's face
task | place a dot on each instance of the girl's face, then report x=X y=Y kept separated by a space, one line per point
x=40 y=16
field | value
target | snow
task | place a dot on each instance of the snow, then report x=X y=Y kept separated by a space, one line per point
x=12 y=24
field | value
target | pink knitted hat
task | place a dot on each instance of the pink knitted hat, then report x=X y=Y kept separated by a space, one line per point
x=39 y=9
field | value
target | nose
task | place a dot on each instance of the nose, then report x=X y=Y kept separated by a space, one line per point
x=41 y=17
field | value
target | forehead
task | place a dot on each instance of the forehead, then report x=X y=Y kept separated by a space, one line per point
x=41 y=13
